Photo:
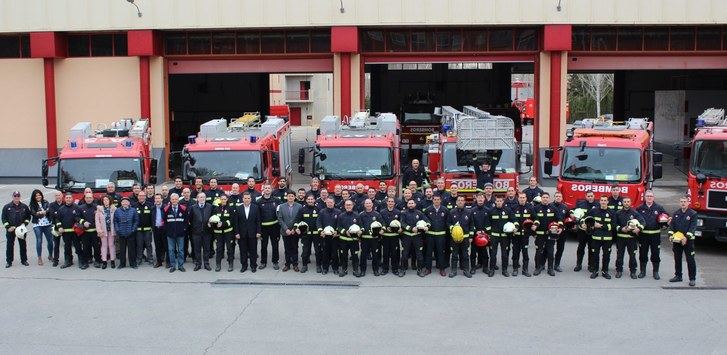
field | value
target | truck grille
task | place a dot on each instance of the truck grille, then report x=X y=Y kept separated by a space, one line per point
x=717 y=199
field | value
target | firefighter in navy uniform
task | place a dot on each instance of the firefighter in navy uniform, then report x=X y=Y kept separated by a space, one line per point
x=521 y=239
x=544 y=214
x=15 y=214
x=89 y=236
x=412 y=239
x=390 y=238
x=348 y=242
x=601 y=237
x=461 y=216
x=269 y=230
x=626 y=236
x=328 y=217
x=650 y=237
x=684 y=223
x=223 y=232
x=310 y=238
x=480 y=256
x=615 y=203
x=66 y=217
x=438 y=216
x=563 y=212
x=584 y=239
x=498 y=217
x=370 y=239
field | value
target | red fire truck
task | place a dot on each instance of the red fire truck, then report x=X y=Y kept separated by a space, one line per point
x=119 y=153
x=474 y=136
x=598 y=153
x=232 y=154
x=363 y=150
x=707 y=176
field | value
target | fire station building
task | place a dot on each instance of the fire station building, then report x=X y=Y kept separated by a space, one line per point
x=183 y=62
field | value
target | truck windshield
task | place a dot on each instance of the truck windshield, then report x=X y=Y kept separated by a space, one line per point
x=355 y=163
x=449 y=161
x=710 y=158
x=226 y=164
x=96 y=173
x=601 y=164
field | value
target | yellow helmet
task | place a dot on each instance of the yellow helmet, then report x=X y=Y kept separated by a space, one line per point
x=457 y=234
x=677 y=237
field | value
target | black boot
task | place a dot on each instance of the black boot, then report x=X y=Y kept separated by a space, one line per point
x=577 y=268
x=642 y=274
x=525 y=272
x=103 y=265
x=113 y=264
x=594 y=275
x=538 y=270
x=606 y=275
x=453 y=272
x=676 y=279
x=618 y=274
x=514 y=272
x=551 y=272
x=467 y=274
x=656 y=271
x=218 y=267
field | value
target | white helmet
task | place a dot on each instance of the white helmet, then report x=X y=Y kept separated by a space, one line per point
x=54 y=232
x=376 y=225
x=579 y=213
x=634 y=223
x=395 y=224
x=509 y=227
x=21 y=231
x=354 y=229
x=537 y=199
x=328 y=230
x=215 y=219
x=421 y=224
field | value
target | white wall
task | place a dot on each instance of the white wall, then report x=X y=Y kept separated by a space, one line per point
x=79 y=15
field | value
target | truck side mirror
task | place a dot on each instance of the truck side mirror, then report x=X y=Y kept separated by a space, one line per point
x=44 y=172
x=275 y=157
x=657 y=171
x=153 y=171
x=301 y=169
x=276 y=172
x=701 y=179
x=301 y=156
x=549 y=154
x=548 y=167
x=657 y=157
x=529 y=160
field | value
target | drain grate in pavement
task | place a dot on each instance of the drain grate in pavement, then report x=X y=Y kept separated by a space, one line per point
x=715 y=288
x=327 y=284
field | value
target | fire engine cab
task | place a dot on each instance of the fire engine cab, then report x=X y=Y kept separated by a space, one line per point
x=363 y=150
x=598 y=153
x=232 y=154
x=707 y=176
x=466 y=140
x=119 y=153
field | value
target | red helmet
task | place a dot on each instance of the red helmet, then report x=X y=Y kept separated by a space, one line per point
x=553 y=226
x=527 y=223
x=482 y=239
x=663 y=218
x=569 y=222
x=78 y=230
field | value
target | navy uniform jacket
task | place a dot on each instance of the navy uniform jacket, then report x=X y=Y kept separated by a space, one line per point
x=651 y=218
x=622 y=220
x=175 y=225
x=685 y=222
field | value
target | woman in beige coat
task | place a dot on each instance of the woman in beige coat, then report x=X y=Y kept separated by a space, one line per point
x=105 y=228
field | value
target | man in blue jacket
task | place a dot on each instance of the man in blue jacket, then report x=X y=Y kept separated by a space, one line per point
x=126 y=221
x=175 y=227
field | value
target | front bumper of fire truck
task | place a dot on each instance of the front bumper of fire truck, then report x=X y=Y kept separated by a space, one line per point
x=712 y=224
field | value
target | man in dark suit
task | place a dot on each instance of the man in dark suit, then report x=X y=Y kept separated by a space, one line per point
x=247 y=231
x=199 y=216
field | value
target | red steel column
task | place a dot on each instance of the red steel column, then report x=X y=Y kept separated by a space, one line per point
x=345 y=84
x=145 y=87
x=51 y=130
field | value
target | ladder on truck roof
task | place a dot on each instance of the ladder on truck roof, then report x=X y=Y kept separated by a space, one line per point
x=477 y=130
x=218 y=129
x=361 y=123
x=712 y=117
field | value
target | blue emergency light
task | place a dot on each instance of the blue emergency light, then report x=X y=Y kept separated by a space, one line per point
x=700 y=122
x=253 y=139
x=128 y=144
x=74 y=144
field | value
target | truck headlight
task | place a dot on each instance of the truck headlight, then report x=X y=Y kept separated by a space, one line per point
x=700 y=222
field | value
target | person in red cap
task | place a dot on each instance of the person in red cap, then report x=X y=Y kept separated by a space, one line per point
x=14 y=215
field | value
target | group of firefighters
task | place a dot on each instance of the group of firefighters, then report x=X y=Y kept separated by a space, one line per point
x=426 y=227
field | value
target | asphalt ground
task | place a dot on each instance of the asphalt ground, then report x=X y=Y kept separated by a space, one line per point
x=49 y=310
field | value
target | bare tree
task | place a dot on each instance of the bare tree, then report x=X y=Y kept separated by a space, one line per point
x=594 y=86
